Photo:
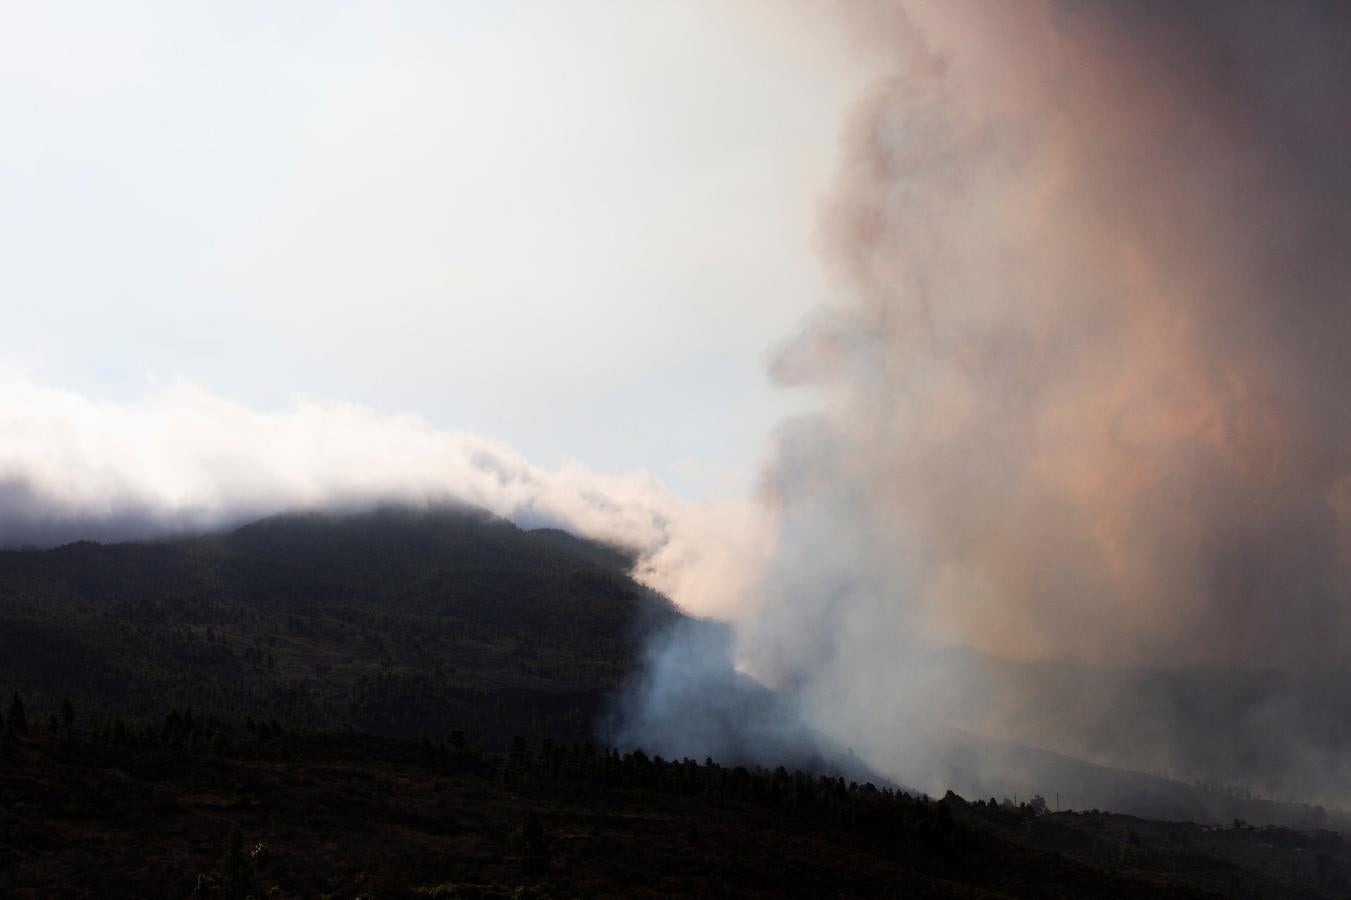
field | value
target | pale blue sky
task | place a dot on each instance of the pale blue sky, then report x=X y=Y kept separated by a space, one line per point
x=574 y=227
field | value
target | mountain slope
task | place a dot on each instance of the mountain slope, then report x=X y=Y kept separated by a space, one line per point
x=396 y=621
x=406 y=622
x=212 y=809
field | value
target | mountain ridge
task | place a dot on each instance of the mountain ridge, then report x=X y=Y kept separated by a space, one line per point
x=409 y=622
x=333 y=619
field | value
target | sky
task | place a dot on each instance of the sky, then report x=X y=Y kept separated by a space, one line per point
x=573 y=228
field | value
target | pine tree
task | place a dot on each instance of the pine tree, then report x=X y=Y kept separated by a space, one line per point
x=234 y=867
x=16 y=721
x=532 y=844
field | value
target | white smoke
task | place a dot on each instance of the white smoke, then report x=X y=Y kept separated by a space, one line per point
x=1080 y=476
x=182 y=459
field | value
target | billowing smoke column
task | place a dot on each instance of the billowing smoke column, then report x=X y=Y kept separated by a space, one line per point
x=1093 y=389
x=1081 y=476
x=1089 y=398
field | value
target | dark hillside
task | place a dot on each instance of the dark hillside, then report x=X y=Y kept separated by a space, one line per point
x=396 y=621
x=196 y=807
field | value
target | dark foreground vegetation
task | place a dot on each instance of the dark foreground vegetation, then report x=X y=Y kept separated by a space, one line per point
x=196 y=807
x=191 y=807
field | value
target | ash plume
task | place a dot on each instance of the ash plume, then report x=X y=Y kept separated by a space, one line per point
x=1092 y=380
x=1084 y=398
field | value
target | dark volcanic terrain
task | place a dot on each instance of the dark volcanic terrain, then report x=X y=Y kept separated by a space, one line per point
x=396 y=622
x=408 y=703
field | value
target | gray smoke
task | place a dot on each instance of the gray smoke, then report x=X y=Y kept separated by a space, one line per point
x=1086 y=401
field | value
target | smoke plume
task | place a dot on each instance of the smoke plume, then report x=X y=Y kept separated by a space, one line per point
x=1081 y=475
x=1086 y=400
x=182 y=459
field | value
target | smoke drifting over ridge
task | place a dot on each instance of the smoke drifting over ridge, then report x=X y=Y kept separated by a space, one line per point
x=1087 y=399
x=182 y=459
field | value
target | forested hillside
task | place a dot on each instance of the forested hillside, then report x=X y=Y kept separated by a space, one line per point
x=397 y=621
x=405 y=703
x=189 y=806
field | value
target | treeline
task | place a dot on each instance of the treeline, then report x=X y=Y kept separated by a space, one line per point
x=77 y=737
x=539 y=812
x=827 y=803
x=185 y=732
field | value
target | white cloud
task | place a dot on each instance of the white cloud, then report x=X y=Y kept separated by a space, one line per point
x=594 y=209
x=181 y=458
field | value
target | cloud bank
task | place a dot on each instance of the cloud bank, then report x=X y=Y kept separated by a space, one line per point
x=182 y=459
